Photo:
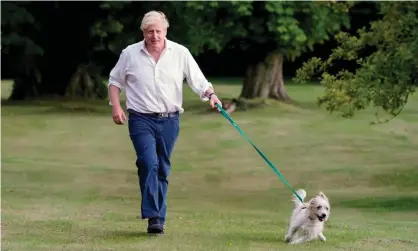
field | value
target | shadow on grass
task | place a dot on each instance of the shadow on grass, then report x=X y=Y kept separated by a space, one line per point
x=37 y=107
x=274 y=109
x=128 y=234
x=383 y=204
x=62 y=109
x=405 y=178
x=288 y=80
x=261 y=237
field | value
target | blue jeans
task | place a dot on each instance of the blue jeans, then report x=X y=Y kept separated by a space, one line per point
x=153 y=139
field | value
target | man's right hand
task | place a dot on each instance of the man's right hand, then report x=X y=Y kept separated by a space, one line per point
x=118 y=115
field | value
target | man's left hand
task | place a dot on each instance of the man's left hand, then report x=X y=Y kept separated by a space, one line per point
x=214 y=100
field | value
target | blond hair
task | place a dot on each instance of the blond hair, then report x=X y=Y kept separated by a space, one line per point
x=153 y=16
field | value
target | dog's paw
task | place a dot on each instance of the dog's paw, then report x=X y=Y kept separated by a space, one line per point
x=296 y=241
x=287 y=238
x=322 y=237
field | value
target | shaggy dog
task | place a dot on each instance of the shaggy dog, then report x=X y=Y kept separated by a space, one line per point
x=307 y=222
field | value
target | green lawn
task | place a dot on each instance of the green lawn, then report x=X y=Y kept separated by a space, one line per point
x=69 y=178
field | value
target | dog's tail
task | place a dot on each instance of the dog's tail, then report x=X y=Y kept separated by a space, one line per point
x=302 y=194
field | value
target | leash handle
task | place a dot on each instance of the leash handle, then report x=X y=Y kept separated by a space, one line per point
x=226 y=115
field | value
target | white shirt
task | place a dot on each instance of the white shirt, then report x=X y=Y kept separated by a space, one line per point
x=157 y=87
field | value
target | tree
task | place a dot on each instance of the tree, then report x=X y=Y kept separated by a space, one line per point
x=52 y=49
x=15 y=40
x=284 y=29
x=288 y=29
x=199 y=26
x=58 y=59
x=385 y=77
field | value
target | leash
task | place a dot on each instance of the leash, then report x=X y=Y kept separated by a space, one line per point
x=223 y=112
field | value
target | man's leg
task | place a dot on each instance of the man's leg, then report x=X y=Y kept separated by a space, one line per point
x=169 y=131
x=142 y=133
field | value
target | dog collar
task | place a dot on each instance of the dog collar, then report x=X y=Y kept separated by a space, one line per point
x=308 y=216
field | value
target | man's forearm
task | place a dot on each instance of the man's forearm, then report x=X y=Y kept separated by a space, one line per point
x=209 y=91
x=114 y=95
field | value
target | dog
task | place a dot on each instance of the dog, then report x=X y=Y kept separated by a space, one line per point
x=307 y=221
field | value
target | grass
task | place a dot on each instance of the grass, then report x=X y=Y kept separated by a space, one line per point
x=69 y=179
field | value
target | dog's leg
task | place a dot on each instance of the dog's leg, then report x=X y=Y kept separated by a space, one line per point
x=295 y=222
x=292 y=230
x=294 y=226
x=299 y=240
x=322 y=237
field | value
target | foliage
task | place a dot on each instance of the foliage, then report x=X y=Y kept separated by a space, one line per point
x=36 y=37
x=197 y=25
x=290 y=27
x=15 y=22
x=103 y=29
x=36 y=29
x=385 y=78
x=298 y=26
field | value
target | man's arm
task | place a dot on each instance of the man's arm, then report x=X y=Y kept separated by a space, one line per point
x=117 y=80
x=116 y=84
x=114 y=93
x=209 y=91
x=195 y=78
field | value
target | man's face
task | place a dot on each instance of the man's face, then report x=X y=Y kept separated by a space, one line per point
x=155 y=34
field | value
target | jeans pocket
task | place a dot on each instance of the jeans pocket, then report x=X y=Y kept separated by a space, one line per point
x=138 y=125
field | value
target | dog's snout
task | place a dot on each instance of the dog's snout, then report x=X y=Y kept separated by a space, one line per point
x=323 y=215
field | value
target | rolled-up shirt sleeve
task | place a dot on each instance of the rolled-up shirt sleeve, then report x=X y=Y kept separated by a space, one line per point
x=195 y=78
x=118 y=73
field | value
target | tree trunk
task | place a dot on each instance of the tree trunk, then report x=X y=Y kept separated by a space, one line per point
x=27 y=83
x=70 y=79
x=265 y=80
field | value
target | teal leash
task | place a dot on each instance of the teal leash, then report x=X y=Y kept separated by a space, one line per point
x=226 y=115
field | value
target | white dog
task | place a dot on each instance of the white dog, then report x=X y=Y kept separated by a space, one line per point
x=307 y=222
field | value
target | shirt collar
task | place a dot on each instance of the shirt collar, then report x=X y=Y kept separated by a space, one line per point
x=168 y=44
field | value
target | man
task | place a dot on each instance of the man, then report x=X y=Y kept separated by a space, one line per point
x=152 y=73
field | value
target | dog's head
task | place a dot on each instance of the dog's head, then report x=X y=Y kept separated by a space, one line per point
x=319 y=207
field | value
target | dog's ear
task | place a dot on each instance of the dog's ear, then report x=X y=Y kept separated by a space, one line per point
x=322 y=195
x=312 y=203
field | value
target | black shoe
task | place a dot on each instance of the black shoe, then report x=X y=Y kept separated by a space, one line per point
x=154 y=226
